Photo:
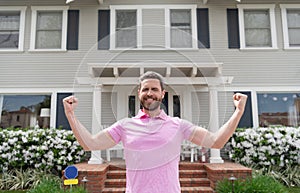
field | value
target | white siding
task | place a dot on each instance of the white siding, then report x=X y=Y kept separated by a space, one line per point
x=108 y=110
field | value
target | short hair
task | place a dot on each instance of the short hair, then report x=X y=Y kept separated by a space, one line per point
x=152 y=75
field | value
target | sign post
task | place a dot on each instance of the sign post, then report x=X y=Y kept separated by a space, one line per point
x=71 y=173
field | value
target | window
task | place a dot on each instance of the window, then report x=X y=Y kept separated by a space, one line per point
x=279 y=109
x=24 y=111
x=153 y=27
x=126 y=29
x=49 y=28
x=12 y=23
x=257 y=26
x=291 y=25
x=181 y=28
x=131 y=106
x=176 y=106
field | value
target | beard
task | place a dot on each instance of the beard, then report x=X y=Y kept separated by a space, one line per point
x=151 y=106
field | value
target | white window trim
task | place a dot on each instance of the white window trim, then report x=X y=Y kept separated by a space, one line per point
x=139 y=9
x=22 y=10
x=284 y=7
x=271 y=8
x=35 y=9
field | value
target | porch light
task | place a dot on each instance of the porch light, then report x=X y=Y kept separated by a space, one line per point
x=232 y=179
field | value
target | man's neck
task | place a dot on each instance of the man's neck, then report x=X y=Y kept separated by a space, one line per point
x=153 y=113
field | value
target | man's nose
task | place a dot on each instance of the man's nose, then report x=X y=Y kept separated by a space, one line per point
x=150 y=93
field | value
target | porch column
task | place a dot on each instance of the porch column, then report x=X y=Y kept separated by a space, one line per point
x=96 y=123
x=215 y=156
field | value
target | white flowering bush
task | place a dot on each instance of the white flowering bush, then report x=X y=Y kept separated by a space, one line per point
x=277 y=146
x=38 y=148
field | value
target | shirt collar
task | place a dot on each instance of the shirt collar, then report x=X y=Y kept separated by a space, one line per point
x=141 y=114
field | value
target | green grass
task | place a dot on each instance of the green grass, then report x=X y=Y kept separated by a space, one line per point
x=294 y=190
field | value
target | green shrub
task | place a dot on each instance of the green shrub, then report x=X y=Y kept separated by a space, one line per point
x=259 y=184
x=289 y=175
x=279 y=146
x=38 y=148
x=18 y=179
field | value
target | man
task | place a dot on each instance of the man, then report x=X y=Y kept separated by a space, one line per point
x=152 y=139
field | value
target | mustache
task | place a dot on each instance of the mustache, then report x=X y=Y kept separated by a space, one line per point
x=150 y=97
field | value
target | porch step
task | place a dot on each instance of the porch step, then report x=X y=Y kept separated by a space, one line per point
x=192 y=178
x=183 y=190
x=113 y=190
x=115 y=183
x=194 y=182
x=116 y=174
x=192 y=174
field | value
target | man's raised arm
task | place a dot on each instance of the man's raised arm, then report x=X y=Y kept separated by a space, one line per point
x=100 y=141
x=218 y=139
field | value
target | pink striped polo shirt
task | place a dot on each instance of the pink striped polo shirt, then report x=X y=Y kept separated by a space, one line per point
x=152 y=151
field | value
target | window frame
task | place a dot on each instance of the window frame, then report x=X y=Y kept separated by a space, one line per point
x=32 y=92
x=64 y=10
x=22 y=10
x=284 y=8
x=271 y=8
x=167 y=34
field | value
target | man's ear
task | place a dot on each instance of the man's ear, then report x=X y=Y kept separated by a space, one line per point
x=163 y=93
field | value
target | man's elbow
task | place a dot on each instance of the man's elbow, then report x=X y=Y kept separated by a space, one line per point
x=217 y=145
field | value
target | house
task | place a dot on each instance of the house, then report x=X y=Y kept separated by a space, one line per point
x=206 y=50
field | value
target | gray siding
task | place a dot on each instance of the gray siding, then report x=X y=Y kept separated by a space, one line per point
x=108 y=108
x=200 y=108
x=58 y=69
x=84 y=109
x=153 y=28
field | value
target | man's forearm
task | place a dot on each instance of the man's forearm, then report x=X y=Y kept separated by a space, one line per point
x=81 y=133
x=99 y=141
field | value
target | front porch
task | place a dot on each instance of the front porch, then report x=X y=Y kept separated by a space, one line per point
x=194 y=177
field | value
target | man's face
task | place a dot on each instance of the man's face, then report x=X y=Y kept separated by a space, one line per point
x=151 y=94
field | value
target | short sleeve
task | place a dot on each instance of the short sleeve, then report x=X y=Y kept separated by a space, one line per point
x=187 y=128
x=115 y=131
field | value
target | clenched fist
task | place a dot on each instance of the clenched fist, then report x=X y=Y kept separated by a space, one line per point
x=70 y=103
x=239 y=101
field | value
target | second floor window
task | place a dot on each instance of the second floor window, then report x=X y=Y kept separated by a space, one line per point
x=153 y=27
x=291 y=25
x=12 y=28
x=257 y=26
x=126 y=28
x=181 y=28
x=49 y=28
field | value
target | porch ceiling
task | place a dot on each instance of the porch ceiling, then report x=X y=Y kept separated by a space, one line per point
x=175 y=74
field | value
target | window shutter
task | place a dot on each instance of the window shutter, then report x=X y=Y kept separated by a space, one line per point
x=103 y=29
x=247 y=119
x=203 y=28
x=233 y=28
x=73 y=29
x=61 y=119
